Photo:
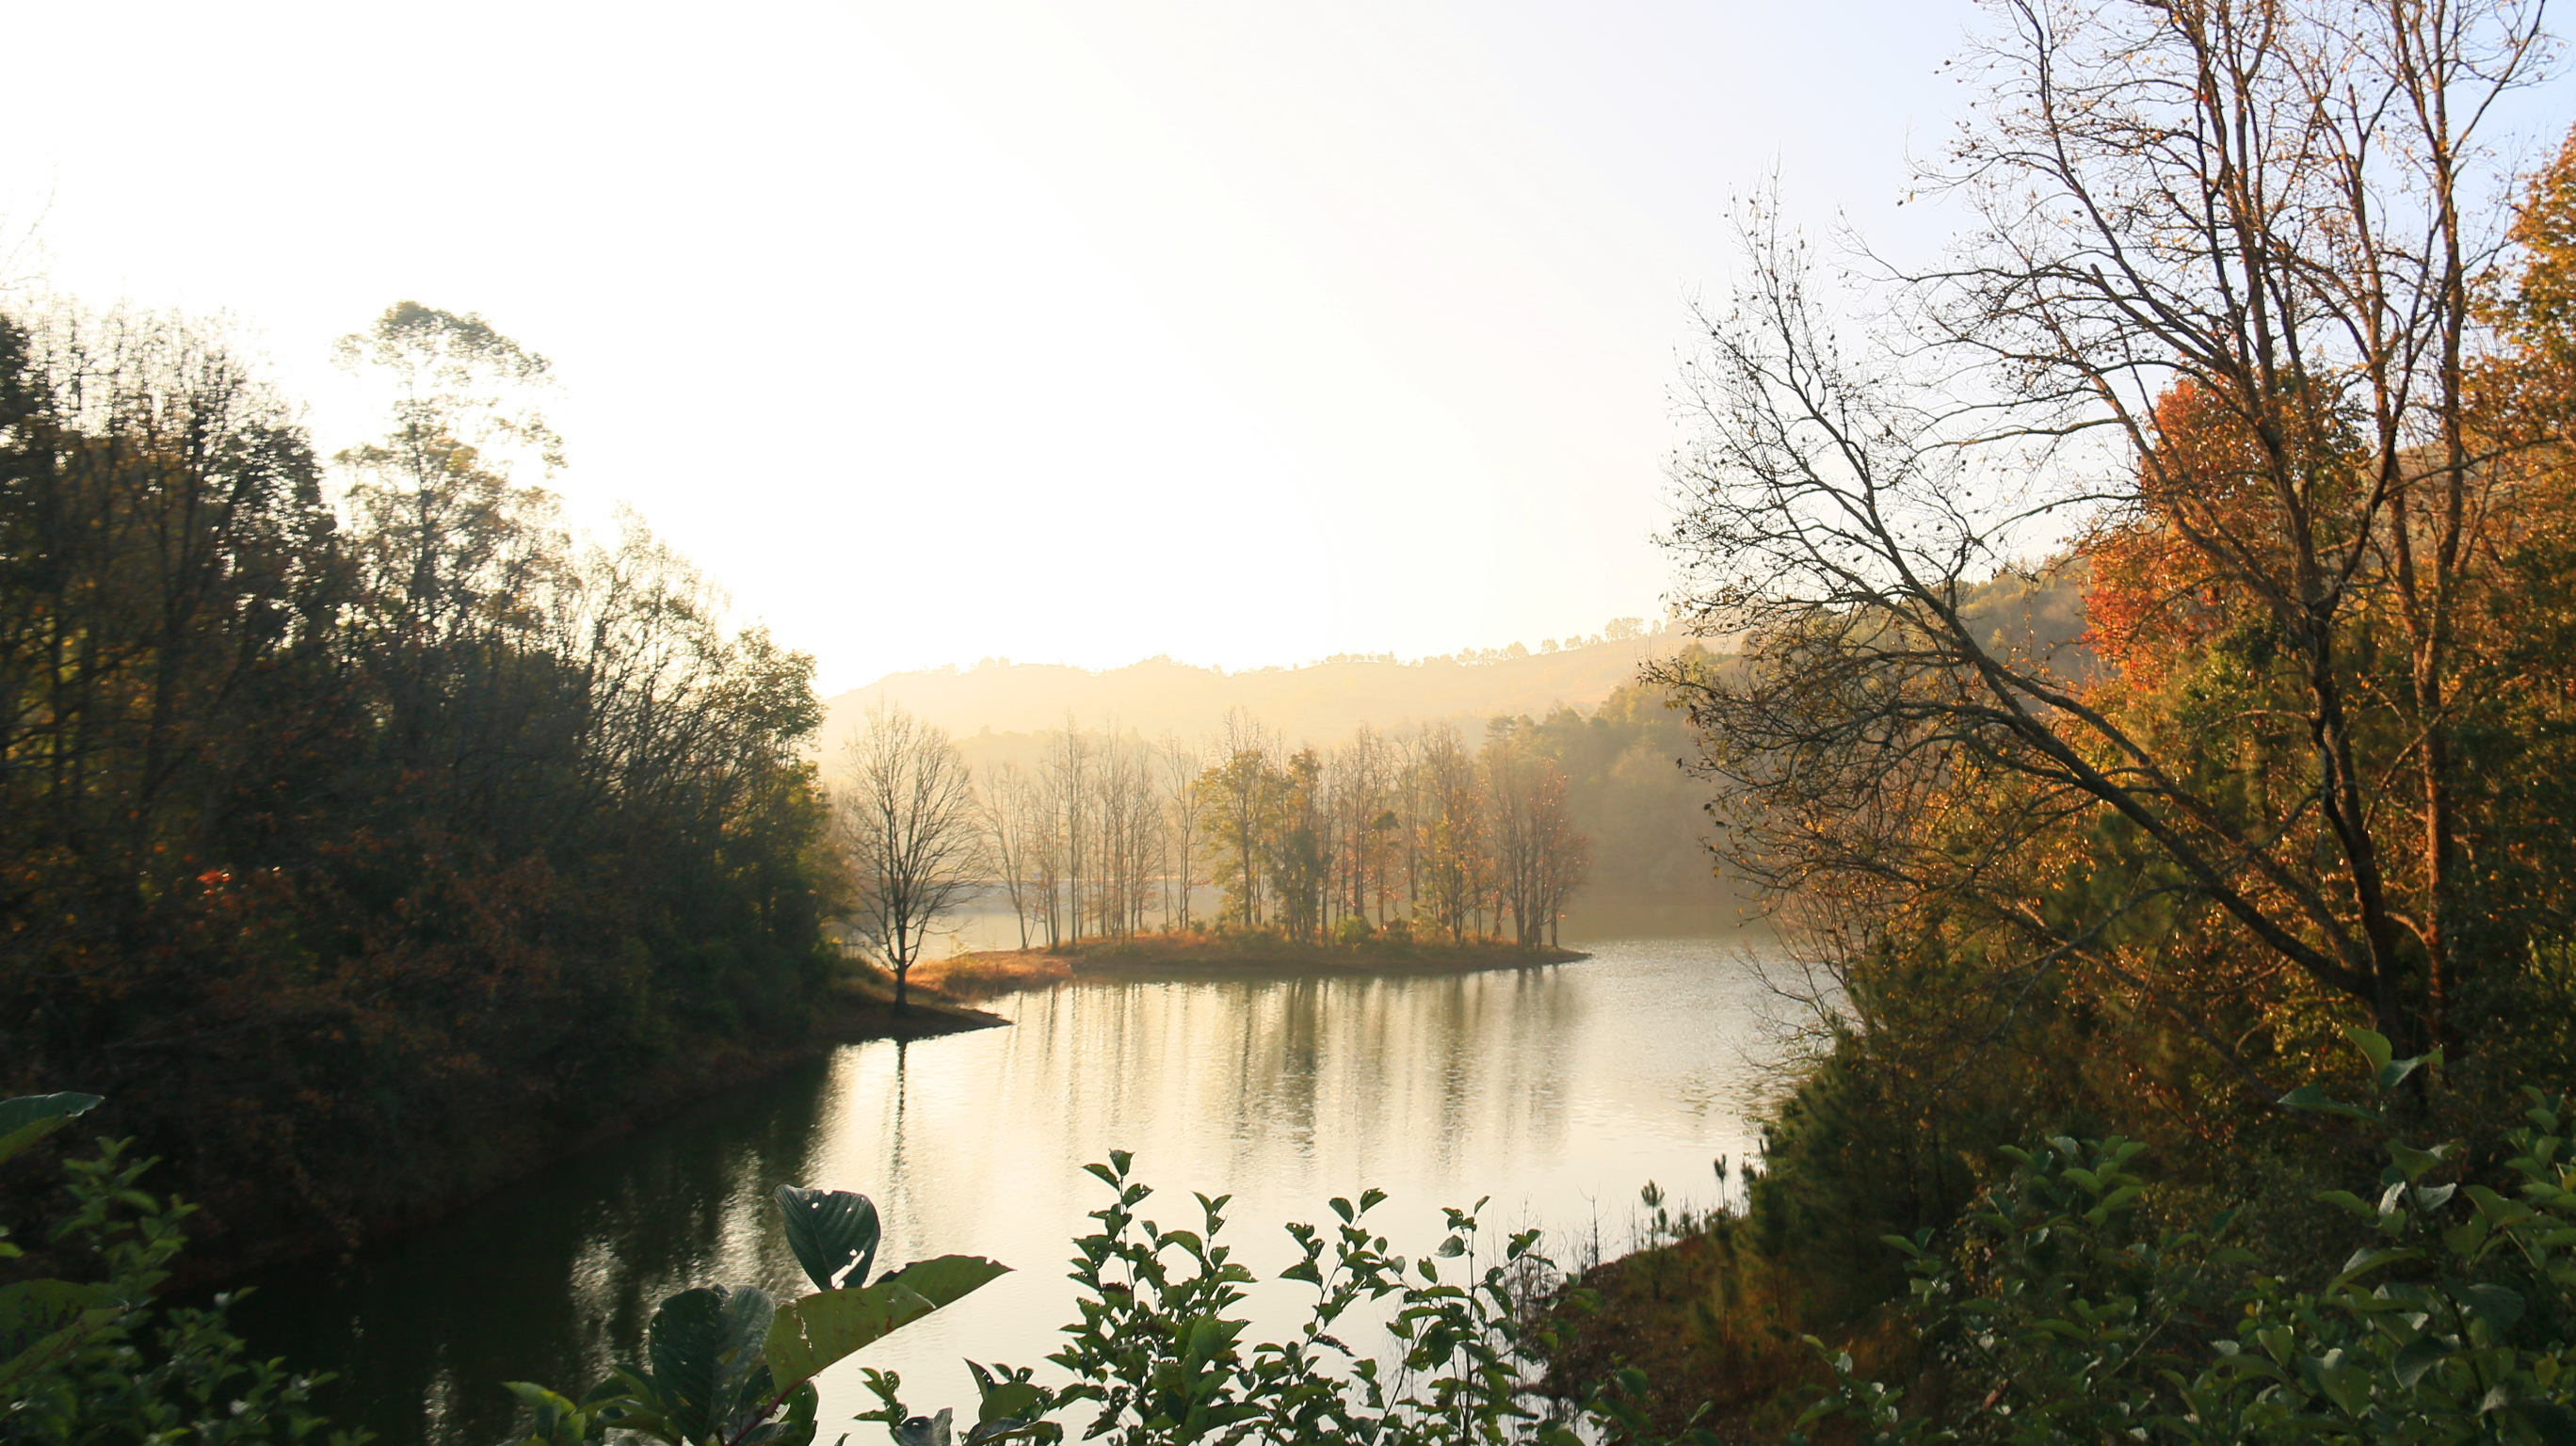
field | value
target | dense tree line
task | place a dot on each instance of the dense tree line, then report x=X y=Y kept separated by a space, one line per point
x=1411 y=830
x=1648 y=822
x=364 y=829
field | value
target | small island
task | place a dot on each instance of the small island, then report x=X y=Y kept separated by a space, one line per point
x=1247 y=953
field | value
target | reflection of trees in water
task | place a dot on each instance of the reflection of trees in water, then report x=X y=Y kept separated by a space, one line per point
x=550 y=1279
x=897 y=1204
x=1333 y=1063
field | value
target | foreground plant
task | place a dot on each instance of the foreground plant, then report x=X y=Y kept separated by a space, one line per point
x=730 y=1366
x=99 y=1361
x=2059 y=1320
x=1157 y=1358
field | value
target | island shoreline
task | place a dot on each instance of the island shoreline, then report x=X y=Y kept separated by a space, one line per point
x=985 y=974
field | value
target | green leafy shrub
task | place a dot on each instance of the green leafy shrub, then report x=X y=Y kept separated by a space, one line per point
x=97 y=1361
x=2058 y=1319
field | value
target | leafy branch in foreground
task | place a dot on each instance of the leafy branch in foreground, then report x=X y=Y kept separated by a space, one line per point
x=1157 y=1358
x=80 y=1362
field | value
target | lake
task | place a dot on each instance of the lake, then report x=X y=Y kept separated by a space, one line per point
x=1558 y=1091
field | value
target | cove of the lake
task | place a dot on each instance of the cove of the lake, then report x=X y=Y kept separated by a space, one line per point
x=1558 y=1091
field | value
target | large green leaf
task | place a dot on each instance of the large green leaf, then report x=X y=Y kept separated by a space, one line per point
x=810 y=1334
x=2496 y=1305
x=629 y=1401
x=1005 y=1404
x=946 y=1278
x=828 y=1230
x=554 y=1420
x=793 y=1428
x=682 y=1341
x=2310 y=1097
x=705 y=1343
x=2419 y=1355
x=29 y=1118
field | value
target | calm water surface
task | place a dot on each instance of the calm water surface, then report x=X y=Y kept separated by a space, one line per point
x=1557 y=1091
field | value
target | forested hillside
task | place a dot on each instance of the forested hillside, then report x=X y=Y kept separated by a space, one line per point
x=366 y=833
x=1319 y=702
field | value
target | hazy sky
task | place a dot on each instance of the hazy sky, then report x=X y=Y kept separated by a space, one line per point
x=1066 y=332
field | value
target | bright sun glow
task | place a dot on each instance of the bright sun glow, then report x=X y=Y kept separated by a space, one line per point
x=1061 y=332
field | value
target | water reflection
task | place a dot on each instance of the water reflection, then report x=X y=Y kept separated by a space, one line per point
x=1549 y=1089
x=552 y=1278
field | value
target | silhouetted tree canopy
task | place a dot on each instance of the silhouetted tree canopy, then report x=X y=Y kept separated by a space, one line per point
x=355 y=839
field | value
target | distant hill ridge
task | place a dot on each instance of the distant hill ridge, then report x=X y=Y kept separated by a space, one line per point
x=1318 y=703
x=1321 y=703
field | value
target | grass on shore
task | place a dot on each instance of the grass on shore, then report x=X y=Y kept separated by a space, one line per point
x=859 y=1004
x=1208 y=951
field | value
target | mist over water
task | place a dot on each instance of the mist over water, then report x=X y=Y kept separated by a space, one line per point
x=1558 y=1091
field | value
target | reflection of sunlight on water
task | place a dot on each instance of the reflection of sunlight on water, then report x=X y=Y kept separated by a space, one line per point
x=1555 y=1091
x=438 y=1409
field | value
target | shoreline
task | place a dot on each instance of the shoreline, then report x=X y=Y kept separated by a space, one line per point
x=987 y=973
x=857 y=1009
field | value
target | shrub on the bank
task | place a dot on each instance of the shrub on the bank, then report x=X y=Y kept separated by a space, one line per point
x=2057 y=1316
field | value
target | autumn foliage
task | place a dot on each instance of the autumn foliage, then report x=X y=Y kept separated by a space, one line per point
x=2287 y=408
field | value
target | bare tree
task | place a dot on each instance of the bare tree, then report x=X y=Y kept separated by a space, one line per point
x=1181 y=809
x=1539 y=858
x=1378 y=828
x=1362 y=823
x=1044 y=832
x=1126 y=830
x=2221 y=302
x=1011 y=828
x=1069 y=783
x=907 y=817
